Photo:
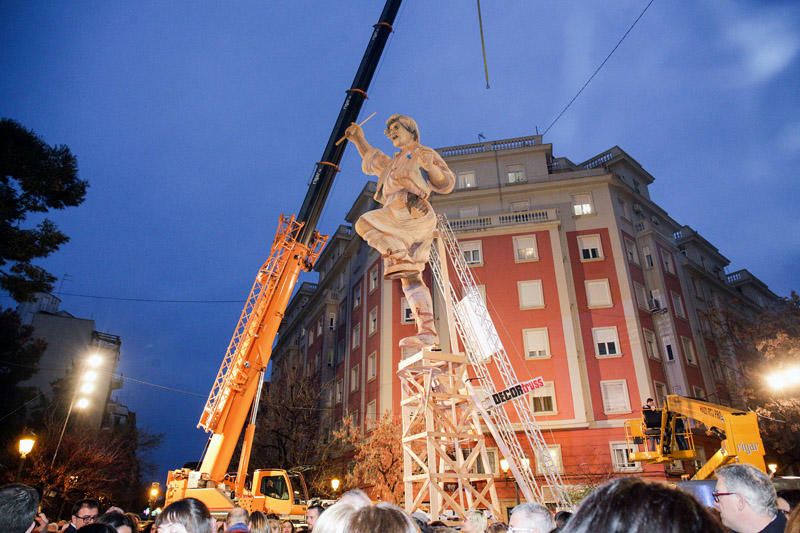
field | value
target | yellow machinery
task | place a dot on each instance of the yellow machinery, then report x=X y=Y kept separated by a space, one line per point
x=666 y=436
x=237 y=387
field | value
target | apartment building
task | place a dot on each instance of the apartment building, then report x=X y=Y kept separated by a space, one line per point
x=590 y=283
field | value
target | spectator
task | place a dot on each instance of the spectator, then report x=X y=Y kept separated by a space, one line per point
x=135 y=519
x=355 y=497
x=335 y=519
x=312 y=515
x=383 y=517
x=475 y=522
x=788 y=500
x=18 y=505
x=274 y=525
x=287 y=527
x=497 y=527
x=793 y=522
x=631 y=505
x=190 y=515
x=747 y=501
x=97 y=527
x=259 y=523
x=237 y=520
x=120 y=522
x=84 y=512
x=561 y=519
x=531 y=518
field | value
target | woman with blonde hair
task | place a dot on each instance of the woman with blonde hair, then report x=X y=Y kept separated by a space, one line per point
x=258 y=522
x=185 y=516
x=274 y=526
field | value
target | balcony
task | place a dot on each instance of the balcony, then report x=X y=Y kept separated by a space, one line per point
x=493 y=146
x=479 y=223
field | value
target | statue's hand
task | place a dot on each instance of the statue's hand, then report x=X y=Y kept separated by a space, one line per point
x=354 y=132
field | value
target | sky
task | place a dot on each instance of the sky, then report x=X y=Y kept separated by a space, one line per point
x=198 y=123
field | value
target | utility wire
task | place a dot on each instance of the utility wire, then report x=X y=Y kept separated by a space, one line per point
x=600 y=67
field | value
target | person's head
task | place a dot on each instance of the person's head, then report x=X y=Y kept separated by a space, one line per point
x=650 y=402
x=744 y=495
x=531 y=518
x=788 y=500
x=312 y=515
x=562 y=517
x=84 y=512
x=18 y=506
x=631 y=505
x=793 y=521
x=190 y=514
x=475 y=522
x=335 y=519
x=287 y=527
x=237 y=515
x=274 y=525
x=120 y=522
x=497 y=527
x=355 y=497
x=135 y=519
x=402 y=130
x=96 y=527
x=259 y=523
x=383 y=517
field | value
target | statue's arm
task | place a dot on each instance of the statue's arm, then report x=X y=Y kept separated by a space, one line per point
x=440 y=176
x=373 y=160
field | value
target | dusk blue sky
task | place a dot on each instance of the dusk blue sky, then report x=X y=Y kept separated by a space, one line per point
x=198 y=123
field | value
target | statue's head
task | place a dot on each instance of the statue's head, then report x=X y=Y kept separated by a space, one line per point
x=398 y=128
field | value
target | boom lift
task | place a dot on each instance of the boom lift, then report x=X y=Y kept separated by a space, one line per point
x=666 y=435
x=296 y=246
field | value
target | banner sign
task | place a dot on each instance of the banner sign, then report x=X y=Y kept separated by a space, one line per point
x=514 y=391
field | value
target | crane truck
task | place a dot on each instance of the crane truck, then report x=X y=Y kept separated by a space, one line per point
x=666 y=436
x=236 y=388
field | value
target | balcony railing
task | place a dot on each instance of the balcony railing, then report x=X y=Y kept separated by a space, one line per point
x=493 y=146
x=504 y=219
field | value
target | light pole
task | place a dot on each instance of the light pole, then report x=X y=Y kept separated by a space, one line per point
x=80 y=398
x=26 y=443
x=504 y=467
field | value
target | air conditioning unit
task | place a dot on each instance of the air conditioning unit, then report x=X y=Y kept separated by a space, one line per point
x=654 y=305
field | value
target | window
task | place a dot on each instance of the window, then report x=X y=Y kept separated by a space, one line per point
x=641 y=296
x=373 y=278
x=632 y=251
x=669 y=261
x=491 y=458
x=536 y=342
x=516 y=174
x=544 y=399
x=677 y=304
x=554 y=454
x=338 y=393
x=530 y=294
x=354 y=414
x=357 y=296
x=356 y=341
x=582 y=204
x=371 y=415
x=698 y=392
x=406 y=315
x=525 y=248
x=698 y=288
x=620 y=458
x=465 y=180
x=469 y=211
x=650 y=344
x=668 y=349
x=688 y=351
x=598 y=293
x=661 y=393
x=522 y=205
x=331 y=321
x=372 y=366
x=354 y=377
x=472 y=252
x=319 y=326
x=590 y=247
x=648 y=257
x=625 y=208
x=310 y=337
x=372 y=321
x=615 y=396
x=606 y=342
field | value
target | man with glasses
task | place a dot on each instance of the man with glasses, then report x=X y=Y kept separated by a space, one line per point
x=746 y=500
x=84 y=512
x=531 y=518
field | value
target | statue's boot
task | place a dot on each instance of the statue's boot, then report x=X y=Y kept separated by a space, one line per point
x=419 y=299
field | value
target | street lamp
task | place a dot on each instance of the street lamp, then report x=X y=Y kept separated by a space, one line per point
x=785 y=378
x=26 y=443
x=335 y=484
x=773 y=467
x=504 y=466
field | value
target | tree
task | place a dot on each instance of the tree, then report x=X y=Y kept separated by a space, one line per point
x=767 y=342
x=377 y=457
x=34 y=178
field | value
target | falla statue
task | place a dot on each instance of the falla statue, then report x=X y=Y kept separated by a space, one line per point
x=402 y=229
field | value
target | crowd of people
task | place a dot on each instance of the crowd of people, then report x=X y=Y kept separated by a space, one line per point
x=746 y=502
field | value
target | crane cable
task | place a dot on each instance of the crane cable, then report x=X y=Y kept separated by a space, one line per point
x=483 y=45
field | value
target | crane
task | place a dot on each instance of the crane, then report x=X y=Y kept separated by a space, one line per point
x=295 y=248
